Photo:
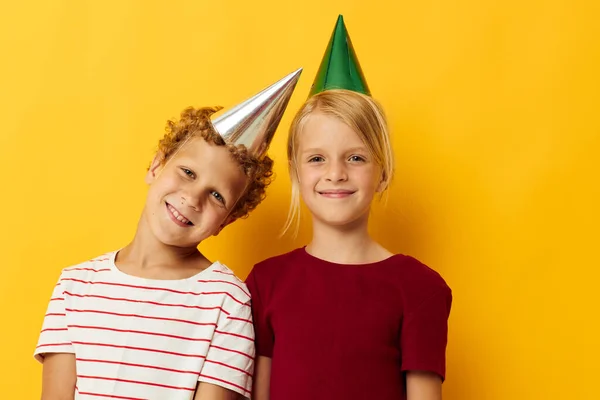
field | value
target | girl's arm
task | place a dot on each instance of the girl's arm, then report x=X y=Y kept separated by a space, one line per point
x=58 y=376
x=423 y=386
x=262 y=378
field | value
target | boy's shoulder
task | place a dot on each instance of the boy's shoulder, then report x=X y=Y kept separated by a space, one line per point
x=101 y=263
x=221 y=277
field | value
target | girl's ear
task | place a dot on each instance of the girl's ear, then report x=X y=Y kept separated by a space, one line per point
x=382 y=184
x=155 y=168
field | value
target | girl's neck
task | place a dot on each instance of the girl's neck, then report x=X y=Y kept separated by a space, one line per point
x=349 y=244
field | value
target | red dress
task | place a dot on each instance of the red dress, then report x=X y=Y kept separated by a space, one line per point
x=348 y=332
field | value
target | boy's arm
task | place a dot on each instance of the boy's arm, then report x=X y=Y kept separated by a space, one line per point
x=59 y=377
x=207 y=391
x=423 y=386
x=262 y=378
x=229 y=362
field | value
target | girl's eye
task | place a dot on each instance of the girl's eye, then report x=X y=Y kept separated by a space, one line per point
x=316 y=159
x=188 y=172
x=218 y=196
x=357 y=158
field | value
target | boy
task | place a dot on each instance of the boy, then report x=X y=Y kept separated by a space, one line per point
x=156 y=319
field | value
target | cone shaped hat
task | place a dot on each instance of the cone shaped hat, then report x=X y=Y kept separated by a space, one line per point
x=340 y=68
x=254 y=122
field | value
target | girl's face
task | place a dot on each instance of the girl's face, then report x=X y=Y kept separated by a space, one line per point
x=337 y=175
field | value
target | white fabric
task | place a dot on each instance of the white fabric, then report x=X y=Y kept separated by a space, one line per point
x=137 y=338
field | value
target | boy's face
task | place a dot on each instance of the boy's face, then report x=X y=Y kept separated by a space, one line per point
x=192 y=195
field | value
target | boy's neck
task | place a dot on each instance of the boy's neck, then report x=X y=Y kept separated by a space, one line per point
x=146 y=253
x=349 y=244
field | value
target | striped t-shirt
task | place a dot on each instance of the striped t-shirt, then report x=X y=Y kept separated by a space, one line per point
x=136 y=338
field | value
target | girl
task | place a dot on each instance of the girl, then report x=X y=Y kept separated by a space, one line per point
x=343 y=317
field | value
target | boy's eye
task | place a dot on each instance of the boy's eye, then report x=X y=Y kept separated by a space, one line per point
x=218 y=196
x=188 y=172
x=356 y=158
x=316 y=159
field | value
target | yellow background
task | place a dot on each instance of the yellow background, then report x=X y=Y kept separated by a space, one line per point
x=494 y=110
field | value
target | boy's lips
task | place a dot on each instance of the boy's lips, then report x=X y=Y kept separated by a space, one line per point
x=336 y=193
x=177 y=217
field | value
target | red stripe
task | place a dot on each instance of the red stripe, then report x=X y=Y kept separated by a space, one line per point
x=234 y=334
x=138 y=365
x=87 y=269
x=53 y=329
x=136 y=382
x=225 y=273
x=224 y=381
x=232 y=351
x=55 y=315
x=227 y=282
x=57 y=299
x=53 y=344
x=142 y=316
x=153 y=288
x=110 y=396
x=139 y=332
x=139 y=349
x=145 y=302
x=229 y=366
x=240 y=319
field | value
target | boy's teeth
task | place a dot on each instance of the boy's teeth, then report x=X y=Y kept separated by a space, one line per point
x=178 y=216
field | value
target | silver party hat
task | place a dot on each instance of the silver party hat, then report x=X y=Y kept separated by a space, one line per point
x=254 y=122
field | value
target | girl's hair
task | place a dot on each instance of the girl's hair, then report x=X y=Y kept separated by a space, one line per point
x=361 y=113
x=195 y=122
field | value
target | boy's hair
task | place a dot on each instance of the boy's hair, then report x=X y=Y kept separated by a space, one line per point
x=362 y=114
x=195 y=122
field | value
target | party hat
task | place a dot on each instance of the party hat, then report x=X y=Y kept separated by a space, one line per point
x=254 y=122
x=340 y=68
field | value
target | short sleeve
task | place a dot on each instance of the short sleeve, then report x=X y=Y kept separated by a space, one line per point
x=424 y=334
x=263 y=331
x=54 y=336
x=230 y=359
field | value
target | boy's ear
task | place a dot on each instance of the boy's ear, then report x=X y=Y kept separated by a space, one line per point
x=155 y=168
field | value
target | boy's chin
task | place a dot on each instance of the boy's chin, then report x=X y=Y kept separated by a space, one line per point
x=172 y=242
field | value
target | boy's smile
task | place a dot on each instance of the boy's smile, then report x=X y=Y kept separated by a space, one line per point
x=178 y=218
x=192 y=194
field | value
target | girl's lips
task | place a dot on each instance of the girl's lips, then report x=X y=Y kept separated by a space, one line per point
x=177 y=217
x=336 y=194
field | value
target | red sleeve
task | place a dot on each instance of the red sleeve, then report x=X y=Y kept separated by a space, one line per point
x=262 y=329
x=425 y=334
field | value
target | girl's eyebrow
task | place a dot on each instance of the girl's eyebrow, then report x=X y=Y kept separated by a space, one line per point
x=312 y=150
x=351 y=150
x=356 y=149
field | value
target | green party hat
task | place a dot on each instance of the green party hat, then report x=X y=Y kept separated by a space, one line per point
x=340 y=68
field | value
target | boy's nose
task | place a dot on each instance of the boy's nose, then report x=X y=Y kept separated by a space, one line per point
x=191 y=201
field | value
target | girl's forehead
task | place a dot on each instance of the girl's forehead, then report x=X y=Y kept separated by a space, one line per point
x=326 y=131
